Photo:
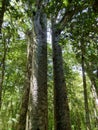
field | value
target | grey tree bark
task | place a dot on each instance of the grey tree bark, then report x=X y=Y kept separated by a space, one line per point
x=61 y=107
x=38 y=106
x=34 y=104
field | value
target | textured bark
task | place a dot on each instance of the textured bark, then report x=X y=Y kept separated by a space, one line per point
x=38 y=109
x=90 y=67
x=2 y=76
x=93 y=81
x=24 y=106
x=2 y=11
x=88 y=125
x=94 y=90
x=3 y=68
x=61 y=108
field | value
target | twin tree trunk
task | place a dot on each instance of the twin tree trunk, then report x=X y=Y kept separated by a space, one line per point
x=61 y=108
x=38 y=106
x=37 y=110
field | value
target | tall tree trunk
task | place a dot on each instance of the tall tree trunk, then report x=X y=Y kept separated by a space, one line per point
x=36 y=92
x=2 y=72
x=24 y=106
x=38 y=110
x=2 y=11
x=88 y=125
x=61 y=108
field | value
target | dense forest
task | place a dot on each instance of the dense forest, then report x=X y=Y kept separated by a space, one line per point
x=48 y=64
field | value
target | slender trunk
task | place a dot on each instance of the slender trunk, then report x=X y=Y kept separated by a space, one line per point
x=61 y=108
x=93 y=81
x=89 y=69
x=24 y=106
x=2 y=74
x=95 y=99
x=78 y=121
x=5 y=48
x=2 y=11
x=94 y=88
x=88 y=125
x=38 y=110
x=97 y=63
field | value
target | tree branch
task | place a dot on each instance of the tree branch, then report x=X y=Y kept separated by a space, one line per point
x=68 y=16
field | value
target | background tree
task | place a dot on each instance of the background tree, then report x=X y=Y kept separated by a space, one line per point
x=3 y=7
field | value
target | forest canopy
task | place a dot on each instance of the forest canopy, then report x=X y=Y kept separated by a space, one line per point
x=49 y=65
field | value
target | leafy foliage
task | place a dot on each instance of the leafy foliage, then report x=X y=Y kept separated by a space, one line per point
x=81 y=27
